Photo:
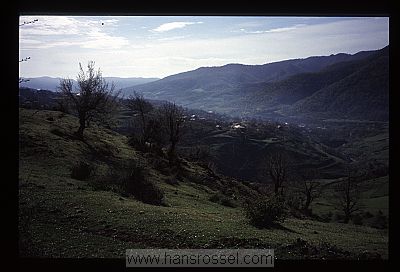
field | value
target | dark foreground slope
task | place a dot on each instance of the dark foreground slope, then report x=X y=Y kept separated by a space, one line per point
x=64 y=217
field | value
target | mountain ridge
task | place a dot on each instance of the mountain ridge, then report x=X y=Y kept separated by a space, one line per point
x=232 y=89
x=51 y=83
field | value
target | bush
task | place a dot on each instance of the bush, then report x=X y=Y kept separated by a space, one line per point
x=357 y=219
x=326 y=217
x=215 y=198
x=136 y=184
x=265 y=212
x=367 y=215
x=81 y=171
x=172 y=181
x=132 y=182
x=338 y=217
x=379 y=221
x=223 y=200
x=228 y=202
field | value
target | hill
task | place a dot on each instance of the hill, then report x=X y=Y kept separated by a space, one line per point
x=281 y=89
x=62 y=216
x=353 y=96
x=51 y=83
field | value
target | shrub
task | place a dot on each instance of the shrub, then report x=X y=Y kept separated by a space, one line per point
x=215 y=198
x=265 y=212
x=132 y=182
x=326 y=217
x=338 y=217
x=228 y=202
x=172 y=181
x=135 y=183
x=367 y=215
x=81 y=171
x=223 y=200
x=379 y=221
x=357 y=219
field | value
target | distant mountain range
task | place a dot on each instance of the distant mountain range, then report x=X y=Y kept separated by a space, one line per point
x=341 y=86
x=51 y=83
x=336 y=86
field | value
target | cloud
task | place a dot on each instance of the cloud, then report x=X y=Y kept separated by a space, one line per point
x=174 y=25
x=62 y=31
x=273 y=30
x=172 y=38
x=154 y=55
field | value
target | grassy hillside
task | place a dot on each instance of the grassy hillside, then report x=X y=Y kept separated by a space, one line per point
x=64 y=217
x=243 y=153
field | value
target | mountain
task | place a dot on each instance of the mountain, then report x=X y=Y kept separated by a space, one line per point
x=51 y=83
x=346 y=90
x=121 y=82
x=354 y=96
x=44 y=83
x=265 y=90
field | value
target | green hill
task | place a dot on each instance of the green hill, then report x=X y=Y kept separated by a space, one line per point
x=60 y=216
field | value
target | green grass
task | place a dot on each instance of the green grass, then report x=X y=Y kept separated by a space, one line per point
x=374 y=196
x=64 y=217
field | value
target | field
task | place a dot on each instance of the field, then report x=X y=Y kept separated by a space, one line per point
x=63 y=217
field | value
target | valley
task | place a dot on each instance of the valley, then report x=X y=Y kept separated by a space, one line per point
x=129 y=182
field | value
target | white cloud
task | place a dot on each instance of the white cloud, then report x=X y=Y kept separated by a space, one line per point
x=174 y=25
x=273 y=30
x=100 y=40
x=162 y=56
x=171 y=38
x=50 y=25
x=61 y=31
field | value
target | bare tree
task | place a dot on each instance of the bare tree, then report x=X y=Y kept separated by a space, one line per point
x=142 y=108
x=93 y=99
x=278 y=170
x=309 y=188
x=172 y=117
x=348 y=196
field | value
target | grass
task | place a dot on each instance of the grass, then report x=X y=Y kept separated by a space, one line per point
x=374 y=197
x=71 y=219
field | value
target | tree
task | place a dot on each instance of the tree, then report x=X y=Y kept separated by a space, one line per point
x=348 y=196
x=142 y=108
x=309 y=188
x=93 y=99
x=172 y=117
x=277 y=169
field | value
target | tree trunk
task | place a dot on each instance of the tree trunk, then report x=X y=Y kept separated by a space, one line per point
x=79 y=133
x=276 y=189
x=308 y=202
x=171 y=154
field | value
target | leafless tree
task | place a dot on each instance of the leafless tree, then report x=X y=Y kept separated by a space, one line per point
x=309 y=187
x=172 y=116
x=93 y=99
x=348 y=196
x=278 y=170
x=142 y=108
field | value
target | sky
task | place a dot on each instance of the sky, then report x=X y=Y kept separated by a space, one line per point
x=159 y=46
